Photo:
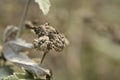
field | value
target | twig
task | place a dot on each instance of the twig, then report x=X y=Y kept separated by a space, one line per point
x=23 y=17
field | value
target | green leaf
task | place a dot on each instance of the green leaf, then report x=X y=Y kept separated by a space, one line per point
x=5 y=71
x=44 y=5
x=21 y=76
x=11 y=77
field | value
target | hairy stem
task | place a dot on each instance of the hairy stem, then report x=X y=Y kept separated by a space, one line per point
x=23 y=17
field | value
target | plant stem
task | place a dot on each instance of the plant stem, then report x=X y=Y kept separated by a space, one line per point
x=44 y=54
x=23 y=17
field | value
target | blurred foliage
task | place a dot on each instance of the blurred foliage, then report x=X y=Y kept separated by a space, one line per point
x=5 y=71
x=21 y=76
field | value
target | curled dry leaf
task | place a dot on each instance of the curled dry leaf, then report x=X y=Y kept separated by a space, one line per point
x=10 y=33
x=12 y=49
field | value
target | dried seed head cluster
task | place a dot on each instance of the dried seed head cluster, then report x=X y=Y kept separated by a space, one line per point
x=48 y=37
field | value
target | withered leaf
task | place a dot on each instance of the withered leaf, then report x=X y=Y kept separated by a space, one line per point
x=12 y=50
x=44 y=5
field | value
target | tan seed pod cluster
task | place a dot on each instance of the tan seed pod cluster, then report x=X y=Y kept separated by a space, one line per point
x=48 y=38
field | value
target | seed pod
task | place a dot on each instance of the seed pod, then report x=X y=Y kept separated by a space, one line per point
x=48 y=38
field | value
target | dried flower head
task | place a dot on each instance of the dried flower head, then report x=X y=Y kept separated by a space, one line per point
x=48 y=37
x=42 y=43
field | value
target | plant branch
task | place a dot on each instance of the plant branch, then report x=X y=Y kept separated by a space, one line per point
x=23 y=17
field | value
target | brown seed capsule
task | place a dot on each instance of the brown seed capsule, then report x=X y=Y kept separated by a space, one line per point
x=48 y=38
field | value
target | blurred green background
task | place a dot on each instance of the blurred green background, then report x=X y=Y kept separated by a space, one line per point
x=91 y=26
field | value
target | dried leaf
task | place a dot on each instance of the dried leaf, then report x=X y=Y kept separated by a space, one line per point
x=12 y=50
x=10 y=33
x=44 y=5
